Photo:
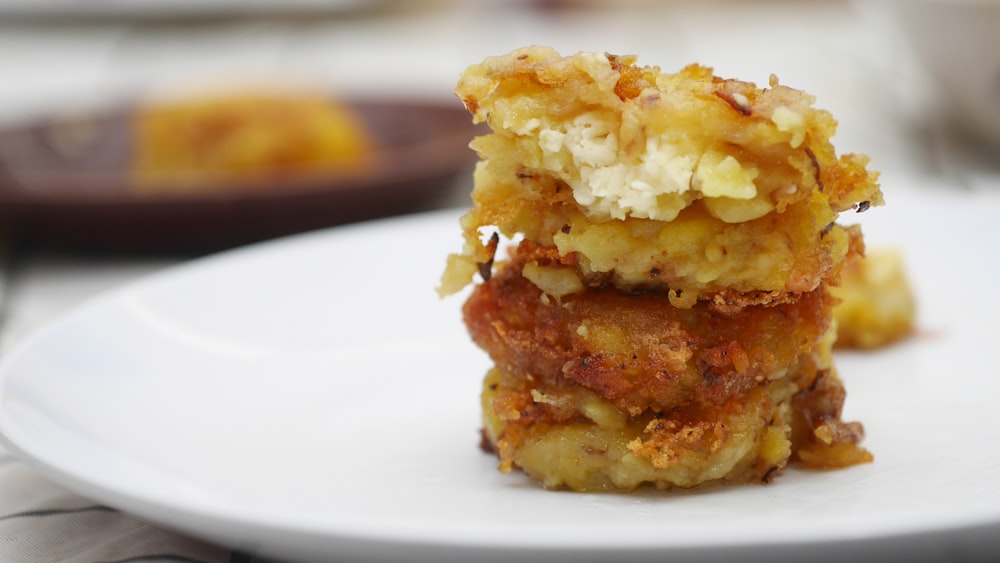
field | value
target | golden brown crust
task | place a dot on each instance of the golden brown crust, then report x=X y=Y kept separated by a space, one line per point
x=606 y=146
x=822 y=440
x=565 y=436
x=636 y=350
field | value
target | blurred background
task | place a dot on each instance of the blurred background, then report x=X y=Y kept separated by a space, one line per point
x=865 y=61
x=59 y=56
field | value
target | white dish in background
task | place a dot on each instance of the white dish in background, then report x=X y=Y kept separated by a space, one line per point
x=158 y=9
x=311 y=398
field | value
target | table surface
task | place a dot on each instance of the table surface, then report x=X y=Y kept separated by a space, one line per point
x=850 y=56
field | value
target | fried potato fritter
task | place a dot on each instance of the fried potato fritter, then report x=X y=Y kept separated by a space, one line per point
x=636 y=350
x=567 y=436
x=687 y=180
x=877 y=305
x=597 y=448
x=664 y=315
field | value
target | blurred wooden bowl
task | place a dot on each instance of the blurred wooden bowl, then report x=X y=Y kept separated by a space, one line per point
x=66 y=183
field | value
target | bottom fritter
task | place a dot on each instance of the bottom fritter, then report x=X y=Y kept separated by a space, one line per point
x=597 y=389
x=569 y=437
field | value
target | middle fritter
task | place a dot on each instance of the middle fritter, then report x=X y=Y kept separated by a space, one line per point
x=634 y=349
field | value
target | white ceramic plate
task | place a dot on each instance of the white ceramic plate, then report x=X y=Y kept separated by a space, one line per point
x=311 y=398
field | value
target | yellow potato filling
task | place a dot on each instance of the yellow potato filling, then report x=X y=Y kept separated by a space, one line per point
x=685 y=180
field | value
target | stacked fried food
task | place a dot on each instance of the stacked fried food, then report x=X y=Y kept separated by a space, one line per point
x=664 y=315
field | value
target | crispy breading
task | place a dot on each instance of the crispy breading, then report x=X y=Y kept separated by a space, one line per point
x=594 y=447
x=685 y=180
x=636 y=350
x=567 y=436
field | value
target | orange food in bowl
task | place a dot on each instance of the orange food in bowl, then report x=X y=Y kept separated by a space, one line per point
x=184 y=145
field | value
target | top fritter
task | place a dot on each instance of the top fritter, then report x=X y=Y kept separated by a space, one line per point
x=706 y=187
